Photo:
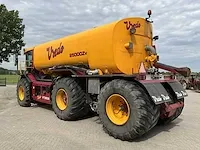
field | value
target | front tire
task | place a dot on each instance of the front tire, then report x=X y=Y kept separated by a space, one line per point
x=140 y=113
x=69 y=100
x=23 y=93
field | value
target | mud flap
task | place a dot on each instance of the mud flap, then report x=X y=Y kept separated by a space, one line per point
x=159 y=93
x=178 y=89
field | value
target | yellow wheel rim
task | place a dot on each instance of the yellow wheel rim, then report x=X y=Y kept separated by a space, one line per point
x=117 y=109
x=21 y=93
x=61 y=99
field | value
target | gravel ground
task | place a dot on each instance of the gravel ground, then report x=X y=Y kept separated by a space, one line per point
x=37 y=127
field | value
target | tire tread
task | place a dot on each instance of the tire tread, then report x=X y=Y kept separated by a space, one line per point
x=148 y=113
x=27 y=101
x=78 y=108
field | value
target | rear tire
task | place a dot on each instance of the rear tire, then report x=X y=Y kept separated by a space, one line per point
x=23 y=93
x=143 y=113
x=76 y=106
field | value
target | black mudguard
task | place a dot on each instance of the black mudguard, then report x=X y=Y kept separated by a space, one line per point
x=162 y=92
x=178 y=89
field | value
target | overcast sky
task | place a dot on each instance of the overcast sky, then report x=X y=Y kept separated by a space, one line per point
x=177 y=22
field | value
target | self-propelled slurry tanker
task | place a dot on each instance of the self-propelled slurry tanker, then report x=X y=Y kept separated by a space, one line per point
x=112 y=70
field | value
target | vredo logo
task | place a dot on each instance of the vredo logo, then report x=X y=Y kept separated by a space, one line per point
x=130 y=25
x=54 y=52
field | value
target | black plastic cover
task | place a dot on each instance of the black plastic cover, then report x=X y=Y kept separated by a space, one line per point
x=159 y=93
x=178 y=89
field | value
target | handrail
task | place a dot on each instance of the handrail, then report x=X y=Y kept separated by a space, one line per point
x=23 y=65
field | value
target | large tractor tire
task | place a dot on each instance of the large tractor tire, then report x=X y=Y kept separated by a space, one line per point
x=164 y=121
x=23 y=93
x=125 y=110
x=69 y=100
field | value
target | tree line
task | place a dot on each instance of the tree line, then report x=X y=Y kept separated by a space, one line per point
x=4 y=71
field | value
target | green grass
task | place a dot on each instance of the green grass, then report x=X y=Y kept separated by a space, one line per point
x=10 y=79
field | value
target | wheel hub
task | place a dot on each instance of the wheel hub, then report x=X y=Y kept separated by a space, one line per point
x=62 y=99
x=21 y=93
x=117 y=109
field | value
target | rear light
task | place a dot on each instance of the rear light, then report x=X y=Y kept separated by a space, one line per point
x=149 y=12
x=142 y=68
x=142 y=72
